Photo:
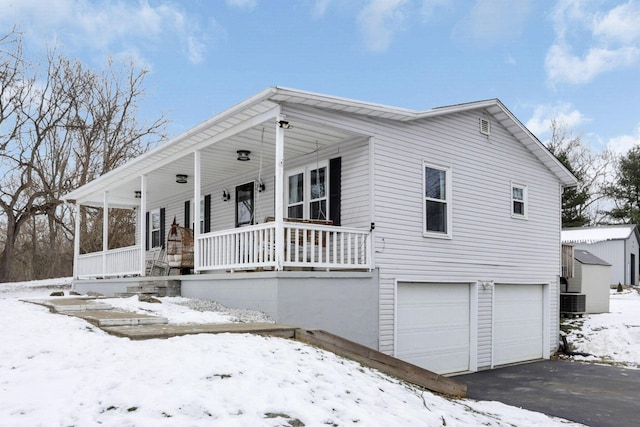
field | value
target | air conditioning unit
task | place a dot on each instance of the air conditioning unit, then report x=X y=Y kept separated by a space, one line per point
x=572 y=303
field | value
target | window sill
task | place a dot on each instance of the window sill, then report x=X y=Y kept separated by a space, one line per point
x=445 y=236
x=520 y=217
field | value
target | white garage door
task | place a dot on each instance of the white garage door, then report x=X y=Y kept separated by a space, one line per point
x=432 y=326
x=518 y=323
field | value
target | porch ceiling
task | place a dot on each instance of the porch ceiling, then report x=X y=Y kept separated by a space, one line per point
x=218 y=157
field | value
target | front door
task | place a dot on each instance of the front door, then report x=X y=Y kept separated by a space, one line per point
x=633 y=270
x=244 y=204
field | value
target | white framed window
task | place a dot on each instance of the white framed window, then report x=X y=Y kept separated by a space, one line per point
x=308 y=192
x=154 y=228
x=437 y=201
x=519 y=203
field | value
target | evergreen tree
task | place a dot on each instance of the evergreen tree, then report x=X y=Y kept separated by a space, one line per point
x=578 y=159
x=574 y=199
x=625 y=192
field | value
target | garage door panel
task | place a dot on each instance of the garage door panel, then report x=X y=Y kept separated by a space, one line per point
x=433 y=326
x=518 y=323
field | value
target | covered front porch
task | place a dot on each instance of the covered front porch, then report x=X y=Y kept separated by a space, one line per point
x=261 y=186
x=253 y=247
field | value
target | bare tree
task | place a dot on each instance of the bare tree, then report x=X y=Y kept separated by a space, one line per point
x=581 y=206
x=61 y=126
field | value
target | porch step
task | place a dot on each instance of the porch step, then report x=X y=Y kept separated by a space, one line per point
x=104 y=318
x=98 y=313
x=72 y=305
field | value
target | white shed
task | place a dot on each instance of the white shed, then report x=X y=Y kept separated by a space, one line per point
x=616 y=244
x=591 y=278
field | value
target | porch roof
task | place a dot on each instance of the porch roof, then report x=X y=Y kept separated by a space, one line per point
x=250 y=125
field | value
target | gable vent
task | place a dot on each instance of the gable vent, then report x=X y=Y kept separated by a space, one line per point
x=485 y=126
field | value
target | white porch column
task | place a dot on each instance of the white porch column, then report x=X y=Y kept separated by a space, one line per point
x=143 y=225
x=76 y=241
x=279 y=194
x=105 y=230
x=197 y=184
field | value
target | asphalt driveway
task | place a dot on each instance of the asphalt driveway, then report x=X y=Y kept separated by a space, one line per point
x=588 y=394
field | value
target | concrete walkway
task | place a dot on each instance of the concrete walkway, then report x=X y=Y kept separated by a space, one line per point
x=594 y=395
x=137 y=326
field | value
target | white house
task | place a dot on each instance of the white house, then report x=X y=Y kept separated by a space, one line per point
x=430 y=235
x=615 y=244
x=591 y=278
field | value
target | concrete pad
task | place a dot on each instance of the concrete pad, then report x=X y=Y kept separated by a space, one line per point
x=64 y=305
x=104 y=318
x=145 y=332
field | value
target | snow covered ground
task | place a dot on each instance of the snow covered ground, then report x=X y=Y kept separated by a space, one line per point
x=612 y=338
x=57 y=370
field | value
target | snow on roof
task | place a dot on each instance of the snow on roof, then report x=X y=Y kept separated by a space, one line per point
x=597 y=234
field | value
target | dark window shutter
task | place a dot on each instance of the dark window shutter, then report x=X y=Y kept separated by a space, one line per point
x=335 y=186
x=162 y=221
x=146 y=232
x=187 y=214
x=207 y=213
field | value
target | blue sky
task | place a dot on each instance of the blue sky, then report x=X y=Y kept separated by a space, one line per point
x=577 y=61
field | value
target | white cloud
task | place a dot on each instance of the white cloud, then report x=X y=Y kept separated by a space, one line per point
x=621 y=24
x=108 y=26
x=243 y=4
x=490 y=21
x=430 y=8
x=590 y=42
x=564 y=113
x=563 y=66
x=320 y=8
x=622 y=144
x=379 y=20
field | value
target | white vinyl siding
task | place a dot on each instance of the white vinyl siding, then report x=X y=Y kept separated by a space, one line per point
x=487 y=244
x=485 y=311
x=355 y=192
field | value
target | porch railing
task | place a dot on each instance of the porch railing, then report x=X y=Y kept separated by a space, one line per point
x=306 y=245
x=114 y=262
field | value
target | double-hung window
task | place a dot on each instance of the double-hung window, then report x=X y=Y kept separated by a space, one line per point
x=154 y=228
x=308 y=192
x=518 y=200
x=437 y=201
